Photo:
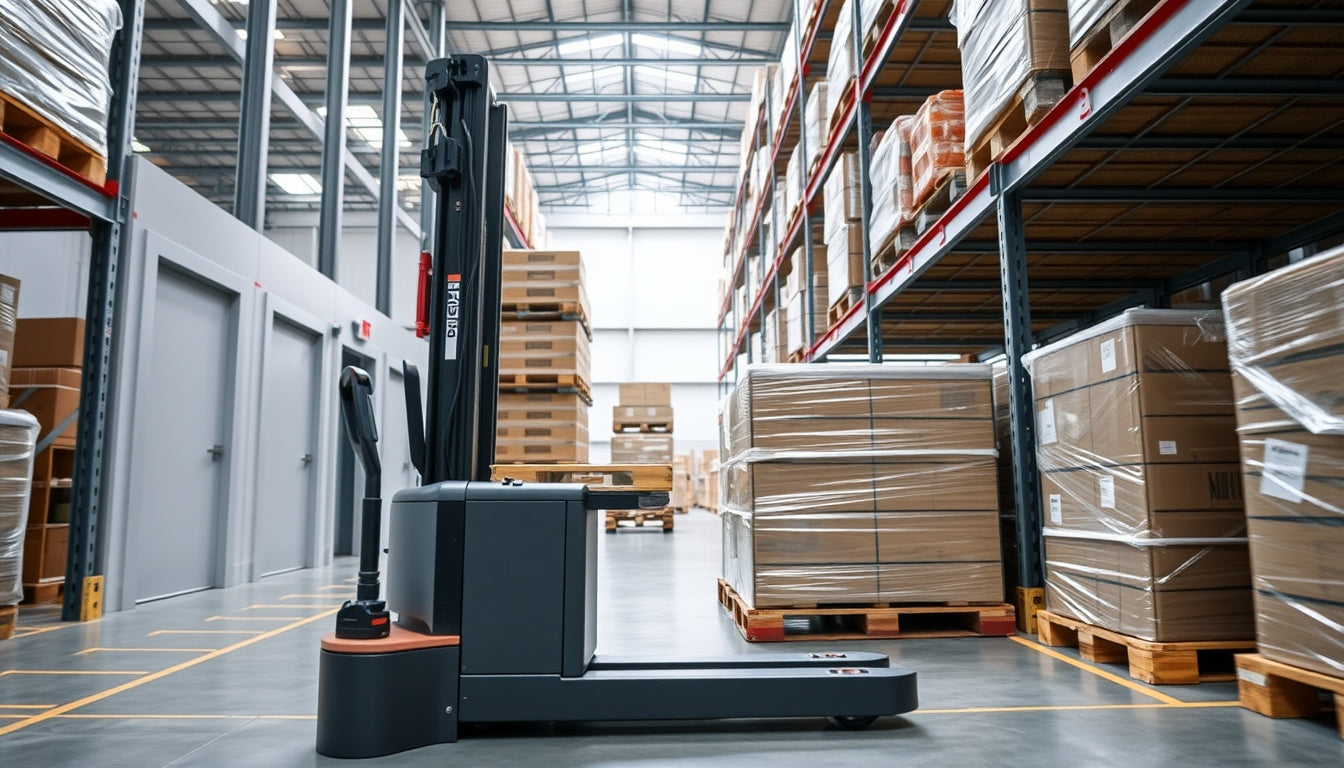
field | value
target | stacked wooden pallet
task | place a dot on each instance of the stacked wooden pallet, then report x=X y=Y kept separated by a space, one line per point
x=642 y=427
x=544 y=359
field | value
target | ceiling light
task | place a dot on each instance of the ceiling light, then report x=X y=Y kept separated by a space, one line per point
x=297 y=183
x=138 y=146
x=277 y=36
x=364 y=122
x=669 y=44
x=667 y=74
x=590 y=44
x=595 y=77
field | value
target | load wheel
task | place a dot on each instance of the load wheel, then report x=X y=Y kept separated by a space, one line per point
x=852 y=723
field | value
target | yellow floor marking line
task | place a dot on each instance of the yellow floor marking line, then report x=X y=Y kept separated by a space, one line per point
x=333 y=586
x=145 y=650
x=296 y=597
x=71 y=672
x=257 y=618
x=29 y=631
x=26 y=706
x=65 y=708
x=14 y=717
x=263 y=606
x=1075 y=708
x=1114 y=678
x=186 y=717
x=204 y=632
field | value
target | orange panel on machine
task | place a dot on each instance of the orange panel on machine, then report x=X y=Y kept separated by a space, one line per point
x=398 y=640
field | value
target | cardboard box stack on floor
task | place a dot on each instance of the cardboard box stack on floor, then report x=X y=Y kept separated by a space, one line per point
x=1145 y=532
x=646 y=410
x=544 y=359
x=45 y=381
x=683 y=484
x=852 y=484
x=707 y=480
x=1286 y=342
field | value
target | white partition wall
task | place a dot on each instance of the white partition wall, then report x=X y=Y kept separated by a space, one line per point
x=652 y=286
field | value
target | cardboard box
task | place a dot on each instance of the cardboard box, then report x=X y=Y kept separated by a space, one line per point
x=641 y=415
x=645 y=394
x=49 y=342
x=9 y=315
x=937 y=537
x=559 y=347
x=523 y=259
x=51 y=395
x=819 y=538
x=1305 y=477
x=1287 y=312
x=782 y=586
x=840 y=194
x=1160 y=500
x=941 y=582
x=641 y=449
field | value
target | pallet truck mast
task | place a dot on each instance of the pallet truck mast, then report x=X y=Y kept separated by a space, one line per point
x=461 y=546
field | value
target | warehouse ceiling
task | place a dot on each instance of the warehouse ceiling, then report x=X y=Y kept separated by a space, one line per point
x=617 y=104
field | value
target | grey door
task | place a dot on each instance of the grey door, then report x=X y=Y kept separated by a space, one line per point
x=288 y=442
x=183 y=451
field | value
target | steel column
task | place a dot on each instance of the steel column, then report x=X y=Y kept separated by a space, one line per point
x=436 y=42
x=83 y=553
x=387 y=178
x=254 y=122
x=864 y=118
x=809 y=324
x=1017 y=341
x=333 y=143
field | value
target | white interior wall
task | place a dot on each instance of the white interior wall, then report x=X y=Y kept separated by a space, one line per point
x=52 y=268
x=652 y=284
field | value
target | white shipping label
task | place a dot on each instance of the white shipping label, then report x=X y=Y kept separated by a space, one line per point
x=1254 y=678
x=1285 y=470
x=1045 y=424
x=1106 y=486
x=1056 y=509
x=1108 y=356
x=1166 y=447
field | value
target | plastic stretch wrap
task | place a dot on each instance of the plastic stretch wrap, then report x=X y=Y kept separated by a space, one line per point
x=560 y=347
x=55 y=60
x=1084 y=15
x=892 y=182
x=816 y=122
x=796 y=335
x=776 y=335
x=840 y=65
x=1286 y=344
x=641 y=449
x=18 y=434
x=868 y=10
x=861 y=483
x=842 y=202
x=1137 y=449
x=793 y=186
x=1002 y=42
x=937 y=143
x=9 y=320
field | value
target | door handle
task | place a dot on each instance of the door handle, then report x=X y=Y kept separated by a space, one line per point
x=215 y=451
x=306 y=458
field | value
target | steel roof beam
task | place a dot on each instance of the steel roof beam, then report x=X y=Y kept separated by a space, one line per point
x=544 y=25
x=552 y=61
x=168 y=62
x=1191 y=195
x=625 y=97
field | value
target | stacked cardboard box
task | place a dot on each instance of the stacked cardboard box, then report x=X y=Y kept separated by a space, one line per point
x=18 y=434
x=816 y=123
x=544 y=359
x=861 y=483
x=1286 y=343
x=707 y=480
x=1142 y=502
x=1007 y=499
x=683 y=482
x=843 y=216
x=520 y=196
x=840 y=64
x=796 y=336
x=646 y=408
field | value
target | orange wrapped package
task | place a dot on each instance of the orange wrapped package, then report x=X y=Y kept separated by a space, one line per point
x=937 y=142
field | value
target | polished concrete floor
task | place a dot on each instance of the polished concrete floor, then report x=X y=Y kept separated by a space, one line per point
x=228 y=678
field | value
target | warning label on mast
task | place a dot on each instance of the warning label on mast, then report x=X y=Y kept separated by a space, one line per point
x=451 y=312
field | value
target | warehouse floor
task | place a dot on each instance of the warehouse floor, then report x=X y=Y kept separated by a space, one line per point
x=228 y=678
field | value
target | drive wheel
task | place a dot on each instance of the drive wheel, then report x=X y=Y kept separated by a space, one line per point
x=852 y=723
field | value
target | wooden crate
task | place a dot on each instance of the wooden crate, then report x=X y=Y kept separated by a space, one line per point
x=1275 y=689
x=26 y=126
x=865 y=622
x=1181 y=663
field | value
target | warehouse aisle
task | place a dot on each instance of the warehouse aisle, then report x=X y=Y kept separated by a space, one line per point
x=228 y=678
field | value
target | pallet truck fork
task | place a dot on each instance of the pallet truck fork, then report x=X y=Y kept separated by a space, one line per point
x=494 y=584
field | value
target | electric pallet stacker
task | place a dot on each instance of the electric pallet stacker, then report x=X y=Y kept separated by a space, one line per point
x=493 y=584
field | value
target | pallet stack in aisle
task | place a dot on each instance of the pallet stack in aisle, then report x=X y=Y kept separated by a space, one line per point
x=521 y=199
x=641 y=424
x=843 y=216
x=706 y=480
x=45 y=381
x=544 y=360
x=1285 y=334
x=1145 y=528
x=859 y=485
x=1014 y=68
x=797 y=339
x=683 y=483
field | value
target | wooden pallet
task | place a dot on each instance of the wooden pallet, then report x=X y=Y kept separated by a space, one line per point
x=544 y=382
x=842 y=104
x=1275 y=689
x=638 y=518
x=23 y=124
x=1042 y=90
x=547 y=311
x=9 y=617
x=641 y=427
x=926 y=215
x=840 y=308
x=44 y=592
x=1108 y=30
x=1182 y=663
x=865 y=622
x=871 y=34
x=616 y=477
